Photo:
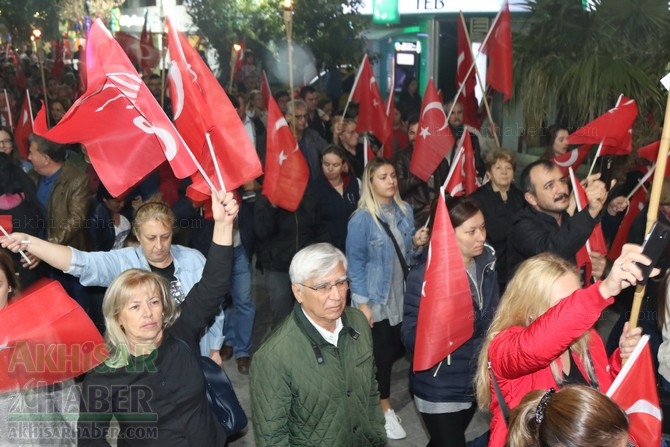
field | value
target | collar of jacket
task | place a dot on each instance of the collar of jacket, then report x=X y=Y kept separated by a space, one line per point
x=315 y=339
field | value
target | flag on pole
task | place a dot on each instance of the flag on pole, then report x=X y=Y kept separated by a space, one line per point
x=201 y=107
x=286 y=170
x=596 y=242
x=434 y=140
x=572 y=159
x=125 y=131
x=634 y=390
x=613 y=129
x=446 y=314
x=23 y=128
x=390 y=116
x=463 y=64
x=371 y=111
x=650 y=151
x=46 y=344
x=498 y=48
x=150 y=56
x=142 y=54
x=266 y=92
x=635 y=205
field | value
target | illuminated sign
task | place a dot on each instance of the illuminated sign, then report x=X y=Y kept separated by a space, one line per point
x=446 y=6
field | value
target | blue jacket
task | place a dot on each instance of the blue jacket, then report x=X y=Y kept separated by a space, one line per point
x=336 y=208
x=454 y=382
x=370 y=254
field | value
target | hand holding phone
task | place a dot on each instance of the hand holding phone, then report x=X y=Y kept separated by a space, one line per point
x=606 y=171
x=653 y=247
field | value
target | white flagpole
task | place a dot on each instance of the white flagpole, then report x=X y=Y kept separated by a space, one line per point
x=641 y=182
x=9 y=111
x=216 y=164
x=23 y=254
x=353 y=88
x=600 y=146
x=30 y=108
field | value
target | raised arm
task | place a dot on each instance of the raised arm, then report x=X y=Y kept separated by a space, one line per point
x=56 y=255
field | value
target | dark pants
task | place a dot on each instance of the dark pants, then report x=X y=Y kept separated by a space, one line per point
x=448 y=429
x=278 y=287
x=387 y=348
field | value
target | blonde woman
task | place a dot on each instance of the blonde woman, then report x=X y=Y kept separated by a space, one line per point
x=542 y=334
x=376 y=271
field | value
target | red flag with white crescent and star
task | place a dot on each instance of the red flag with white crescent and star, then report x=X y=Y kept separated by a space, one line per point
x=635 y=391
x=371 y=108
x=434 y=139
x=446 y=315
x=23 y=128
x=463 y=64
x=201 y=107
x=498 y=48
x=572 y=159
x=286 y=170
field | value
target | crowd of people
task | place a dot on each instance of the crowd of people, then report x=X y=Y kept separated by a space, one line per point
x=344 y=274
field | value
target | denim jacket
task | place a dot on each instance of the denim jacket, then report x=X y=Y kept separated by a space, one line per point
x=371 y=254
x=99 y=268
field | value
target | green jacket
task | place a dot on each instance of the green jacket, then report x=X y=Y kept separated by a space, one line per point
x=307 y=392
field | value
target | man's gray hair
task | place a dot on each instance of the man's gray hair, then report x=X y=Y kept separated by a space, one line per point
x=315 y=261
x=297 y=104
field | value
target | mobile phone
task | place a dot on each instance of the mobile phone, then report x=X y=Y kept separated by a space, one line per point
x=653 y=247
x=606 y=164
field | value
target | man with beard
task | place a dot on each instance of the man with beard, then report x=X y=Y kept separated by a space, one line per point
x=545 y=225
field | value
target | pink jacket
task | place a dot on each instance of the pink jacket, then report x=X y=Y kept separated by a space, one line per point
x=520 y=357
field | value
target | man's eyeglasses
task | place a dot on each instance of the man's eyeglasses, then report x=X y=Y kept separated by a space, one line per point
x=6 y=142
x=300 y=117
x=324 y=289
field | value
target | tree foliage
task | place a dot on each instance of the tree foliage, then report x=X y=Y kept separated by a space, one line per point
x=21 y=16
x=573 y=63
x=322 y=27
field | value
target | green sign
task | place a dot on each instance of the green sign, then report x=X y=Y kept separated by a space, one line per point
x=385 y=11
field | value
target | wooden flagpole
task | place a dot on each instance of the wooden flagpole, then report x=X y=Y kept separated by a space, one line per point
x=654 y=201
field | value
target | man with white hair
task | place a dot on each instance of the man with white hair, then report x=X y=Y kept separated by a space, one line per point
x=313 y=380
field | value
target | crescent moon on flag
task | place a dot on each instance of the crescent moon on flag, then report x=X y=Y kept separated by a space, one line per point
x=281 y=122
x=646 y=407
x=436 y=105
x=372 y=82
x=570 y=161
x=174 y=75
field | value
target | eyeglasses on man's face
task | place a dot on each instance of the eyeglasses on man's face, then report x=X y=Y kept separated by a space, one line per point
x=7 y=142
x=324 y=289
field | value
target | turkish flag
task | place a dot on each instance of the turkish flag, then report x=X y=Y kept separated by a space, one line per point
x=201 y=107
x=371 y=110
x=635 y=205
x=58 y=64
x=6 y=223
x=650 y=151
x=47 y=338
x=142 y=54
x=613 y=129
x=286 y=170
x=469 y=170
x=446 y=316
x=634 y=390
x=23 y=128
x=498 y=48
x=464 y=64
x=596 y=242
x=125 y=131
x=150 y=54
x=572 y=159
x=434 y=140
x=453 y=185
x=387 y=146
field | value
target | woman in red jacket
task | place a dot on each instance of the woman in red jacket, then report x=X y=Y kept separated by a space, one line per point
x=542 y=335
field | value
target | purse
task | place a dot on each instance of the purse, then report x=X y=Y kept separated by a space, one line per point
x=221 y=395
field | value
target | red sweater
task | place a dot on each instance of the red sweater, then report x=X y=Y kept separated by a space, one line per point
x=520 y=357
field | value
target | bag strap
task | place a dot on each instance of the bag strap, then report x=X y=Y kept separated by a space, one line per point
x=501 y=400
x=401 y=257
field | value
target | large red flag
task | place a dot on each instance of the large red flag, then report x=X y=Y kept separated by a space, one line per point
x=453 y=185
x=613 y=129
x=596 y=242
x=124 y=129
x=371 y=110
x=434 y=140
x=572 y=159
x=47 y=338
x=446 y=315
x=390 y=116
x=23 y=128
x=498 y=48
x=463 y=64
x=286 y=170
x=200 y=107
x=636 y=204
x=634 y=390
x=266 y=92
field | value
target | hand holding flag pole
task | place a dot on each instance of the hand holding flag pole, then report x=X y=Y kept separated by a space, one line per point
x=479 y=78
x=654 y=197
x=23 y=253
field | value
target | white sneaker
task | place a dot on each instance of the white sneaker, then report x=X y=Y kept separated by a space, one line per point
x=393 y=428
